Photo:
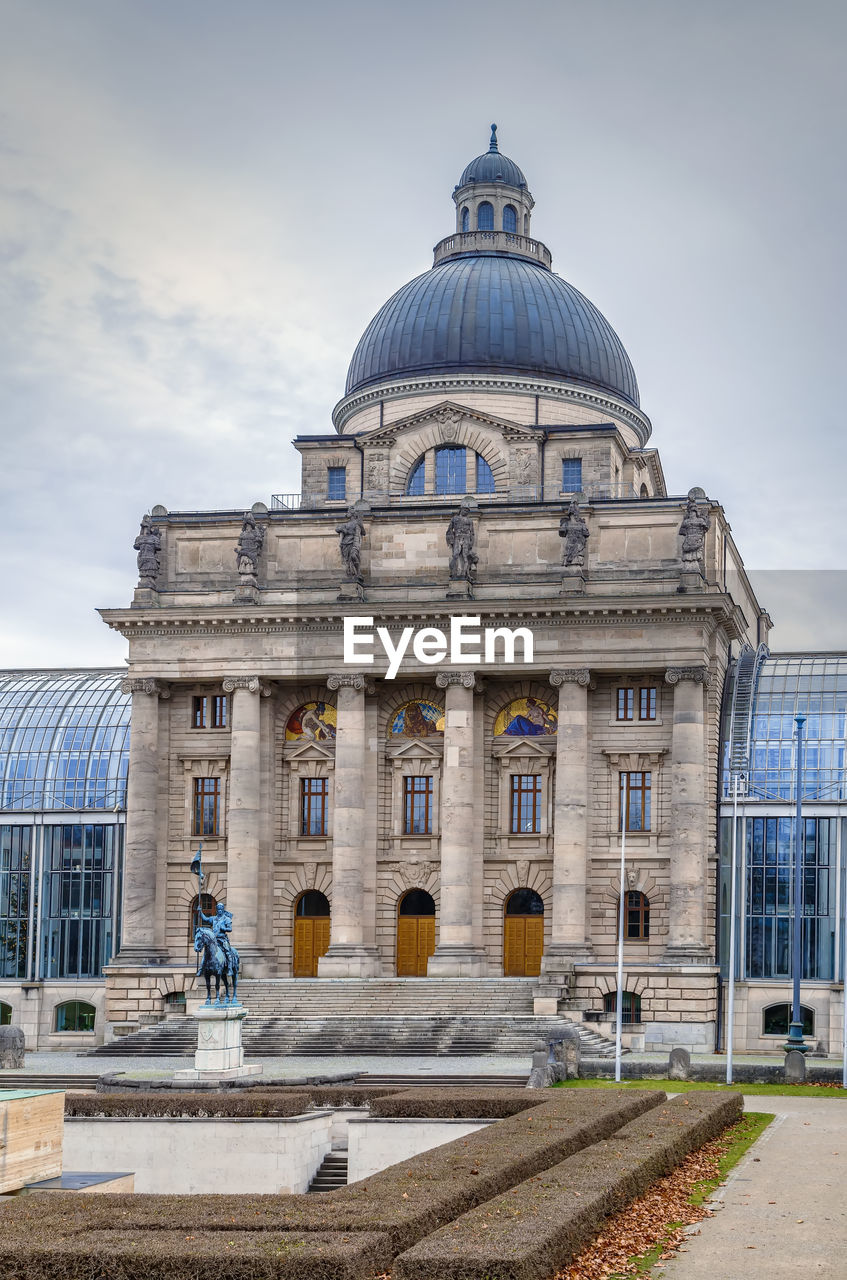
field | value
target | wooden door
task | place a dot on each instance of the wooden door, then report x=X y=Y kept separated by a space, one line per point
x=415 y=944
x=523 y=945
x=311 y=940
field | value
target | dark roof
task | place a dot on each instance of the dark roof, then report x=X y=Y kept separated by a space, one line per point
x=492 y=313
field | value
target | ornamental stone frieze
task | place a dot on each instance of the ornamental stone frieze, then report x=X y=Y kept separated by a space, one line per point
x=350 y=680
x=445 y=678
x=570 y=675
x=251 y=683
x=144 y=685
x=700 y=675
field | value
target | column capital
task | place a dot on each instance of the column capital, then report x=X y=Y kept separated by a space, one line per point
x=699 y=675
x=155 y=688
x=251 y=683
x=350 y=680
x=570 y=675
x=465 y=678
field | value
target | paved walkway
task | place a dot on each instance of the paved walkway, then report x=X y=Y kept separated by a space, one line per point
x=783 y=1211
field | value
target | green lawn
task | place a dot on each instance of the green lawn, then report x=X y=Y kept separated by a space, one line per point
x=686 y=1086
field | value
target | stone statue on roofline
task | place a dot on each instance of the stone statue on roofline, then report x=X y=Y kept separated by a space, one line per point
x=574 y=530
x=250 y=543
x=460 y=539
x=148 y=544
x=695 y=525
x=350 y=535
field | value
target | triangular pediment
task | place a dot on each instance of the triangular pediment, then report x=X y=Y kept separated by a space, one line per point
x=506 y=748
x=309 y=749
x=417 y=748
x=447 y=417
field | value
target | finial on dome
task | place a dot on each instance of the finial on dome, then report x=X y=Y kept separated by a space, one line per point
x=492 y=146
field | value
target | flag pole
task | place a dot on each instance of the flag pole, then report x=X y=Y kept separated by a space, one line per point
x=619 y=1006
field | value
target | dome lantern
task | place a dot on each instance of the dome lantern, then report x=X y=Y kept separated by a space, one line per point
x=492 y=196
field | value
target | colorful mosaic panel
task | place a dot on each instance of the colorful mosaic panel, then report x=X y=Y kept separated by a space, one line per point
x=314 y=720
x=526 y=718
x=417 y=720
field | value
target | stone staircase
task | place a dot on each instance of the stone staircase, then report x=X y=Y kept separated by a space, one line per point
x=332 y=1174
x=379 y=1016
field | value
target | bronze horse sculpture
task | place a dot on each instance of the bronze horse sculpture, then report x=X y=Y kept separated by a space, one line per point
x=215 y=963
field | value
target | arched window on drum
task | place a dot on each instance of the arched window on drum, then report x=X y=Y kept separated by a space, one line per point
x=510 y=219
x=485 y=217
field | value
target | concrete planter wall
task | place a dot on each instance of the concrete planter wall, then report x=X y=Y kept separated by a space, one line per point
x=376 y=1144
x=191 y=1156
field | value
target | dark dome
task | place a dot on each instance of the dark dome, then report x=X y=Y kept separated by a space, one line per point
x=492 y=167
x=492 y=313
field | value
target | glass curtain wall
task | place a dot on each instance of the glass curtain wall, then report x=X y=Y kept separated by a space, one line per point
x=77 y=895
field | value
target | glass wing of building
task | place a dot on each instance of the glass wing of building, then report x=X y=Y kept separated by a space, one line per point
x=64 y=754
x=765 y=694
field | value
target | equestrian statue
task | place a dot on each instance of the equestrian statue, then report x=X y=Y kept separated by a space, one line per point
x=220 y=958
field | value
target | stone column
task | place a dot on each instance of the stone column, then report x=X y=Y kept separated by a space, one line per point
x=455 y=954
x=348 y=955
x=687 y=941
x=139 y=932
x=243 y=823
x=569 y=939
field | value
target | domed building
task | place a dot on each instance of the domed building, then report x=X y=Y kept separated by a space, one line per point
x=413 y=711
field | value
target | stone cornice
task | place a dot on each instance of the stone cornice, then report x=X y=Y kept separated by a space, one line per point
x=449 y=384
x=253 y=684
x=465 y=678
x=145 y=685
x=700 y=675
x=568 y=675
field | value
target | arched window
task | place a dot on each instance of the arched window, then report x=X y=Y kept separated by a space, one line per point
x=777 y=1017
x=637 y=915
x=75 y=1015
x=524 y=902
x=417 y=902
x=5 y=1013
x=484 y=476
x=644 y=492
x=510 y=219
x=466 y=219
x=631 y=1011
x=207 y=904
x=526 y=224
x=417 y=480
x=312 y=903
x=451 y=470
x=485 y=217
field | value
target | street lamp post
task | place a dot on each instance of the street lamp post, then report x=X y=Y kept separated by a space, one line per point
x=621 y=919
x=795 y=1031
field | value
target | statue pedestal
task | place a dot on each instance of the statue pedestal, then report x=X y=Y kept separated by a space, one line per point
x=690 y=579
x=219 y=1054
x=573 y=580
x=460 y=589
x=352 y=591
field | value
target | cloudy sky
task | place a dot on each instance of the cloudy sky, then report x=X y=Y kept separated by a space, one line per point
x=204 y=202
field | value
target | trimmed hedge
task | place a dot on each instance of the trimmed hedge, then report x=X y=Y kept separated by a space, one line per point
x=173 y=1255
x=79 y=1237
x=537 y=1228
x=244 y=1103
x=442 y=1104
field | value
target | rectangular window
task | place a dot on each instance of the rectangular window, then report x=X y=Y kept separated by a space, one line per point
x=314 y=801
x=417 y=806
x=199 y=712
x=80 y=863
x=207 y=800
x=336 y=482
x=208 y=713
x=626 y=704
x=15 y=872
x=572 y=475
x=219 y=711
x=647 y=704
x=526 y=803
x=635 y=801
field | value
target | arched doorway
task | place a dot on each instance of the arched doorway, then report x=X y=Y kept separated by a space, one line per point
x=415 y=933
x=523 y=934
x=311 y=932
